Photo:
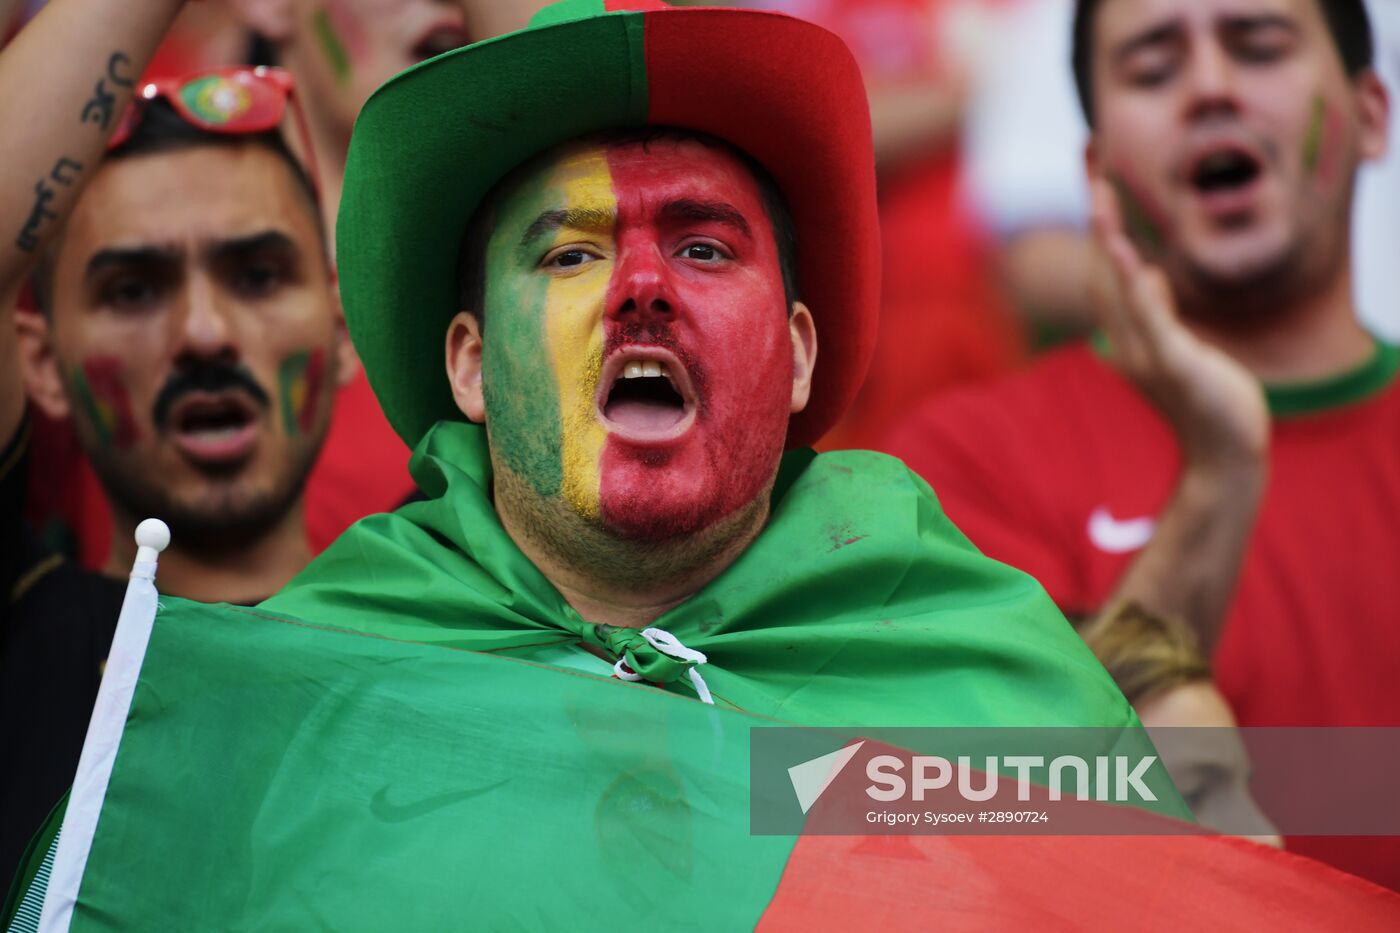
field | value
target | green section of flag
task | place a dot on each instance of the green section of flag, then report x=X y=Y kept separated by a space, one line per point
x=280 y=775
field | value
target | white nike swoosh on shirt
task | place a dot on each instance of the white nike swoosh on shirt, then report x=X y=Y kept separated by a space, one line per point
x=1116 y=536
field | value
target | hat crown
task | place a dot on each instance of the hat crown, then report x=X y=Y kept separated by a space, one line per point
x=569 y=10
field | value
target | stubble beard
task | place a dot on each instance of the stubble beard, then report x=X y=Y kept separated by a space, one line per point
x=224 y=517
x=588 y=548
x=1264 y=295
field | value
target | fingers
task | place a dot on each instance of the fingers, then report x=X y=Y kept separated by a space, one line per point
x=1139 y=313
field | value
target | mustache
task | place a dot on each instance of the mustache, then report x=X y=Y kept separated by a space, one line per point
x=210 y=377
x=654 y=333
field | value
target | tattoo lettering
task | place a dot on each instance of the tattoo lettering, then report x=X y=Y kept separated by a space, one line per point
x=65 y=172
x=115 y=66
x=100 y=108
x=28 y=239
x=65 y=164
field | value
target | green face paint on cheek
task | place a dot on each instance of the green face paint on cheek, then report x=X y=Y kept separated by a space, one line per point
x=1312 y=141
x=1136 y=220
x=102 y=394
x=299 y=381
x=331 y=45
x=518 y=382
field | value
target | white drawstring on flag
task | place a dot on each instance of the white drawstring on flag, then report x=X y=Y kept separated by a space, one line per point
x=670 y=645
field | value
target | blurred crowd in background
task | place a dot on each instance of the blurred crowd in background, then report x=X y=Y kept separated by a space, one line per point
x=989 y=263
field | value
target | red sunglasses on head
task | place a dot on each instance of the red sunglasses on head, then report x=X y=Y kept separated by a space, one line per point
x=225 y=100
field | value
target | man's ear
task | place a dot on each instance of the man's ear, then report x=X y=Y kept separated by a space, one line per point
x=1093 y=162
x=347 y=360
x=464 y=365
x=271 y=19
x=1373 y=110
x=38 y=363
x=804 y=354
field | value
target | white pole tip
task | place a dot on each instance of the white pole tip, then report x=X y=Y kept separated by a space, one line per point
x=153 y=533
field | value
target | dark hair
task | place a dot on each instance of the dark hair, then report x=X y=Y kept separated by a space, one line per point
x=1347 y=20
x=163 y=130
x=471 y=262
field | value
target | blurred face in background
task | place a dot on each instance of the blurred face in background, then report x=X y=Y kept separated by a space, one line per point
x=194 y=338
x=341 y=50
x=1233 y=135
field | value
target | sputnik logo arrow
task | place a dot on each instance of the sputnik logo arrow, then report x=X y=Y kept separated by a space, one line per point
x=811 y=778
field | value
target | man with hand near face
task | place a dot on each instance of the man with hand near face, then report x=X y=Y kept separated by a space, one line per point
x=189 y=328
x=1226 y=456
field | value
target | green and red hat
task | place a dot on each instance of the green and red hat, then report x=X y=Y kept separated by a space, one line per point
x=433 y=141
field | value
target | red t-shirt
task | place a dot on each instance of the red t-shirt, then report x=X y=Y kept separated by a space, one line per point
x=1060 y=471
x=944 y=320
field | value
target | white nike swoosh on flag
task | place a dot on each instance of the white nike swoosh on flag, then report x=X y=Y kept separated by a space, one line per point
x=1119 y=536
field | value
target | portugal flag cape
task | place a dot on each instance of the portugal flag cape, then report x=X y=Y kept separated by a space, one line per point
x=369 y=750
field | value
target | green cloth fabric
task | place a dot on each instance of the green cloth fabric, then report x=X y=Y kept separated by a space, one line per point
x=859 y=604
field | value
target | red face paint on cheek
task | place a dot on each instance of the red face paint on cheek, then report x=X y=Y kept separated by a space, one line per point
x=712 y=295
x=101 y=388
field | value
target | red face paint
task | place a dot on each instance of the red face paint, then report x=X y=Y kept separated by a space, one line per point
x=697 y=283
x=299 y=381
x=101 y=389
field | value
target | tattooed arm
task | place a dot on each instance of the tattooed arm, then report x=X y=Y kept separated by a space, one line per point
x=64 y=82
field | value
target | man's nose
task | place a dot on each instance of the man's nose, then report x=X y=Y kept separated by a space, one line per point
x=641 y=285
x=205 y=329
x=1211 y=82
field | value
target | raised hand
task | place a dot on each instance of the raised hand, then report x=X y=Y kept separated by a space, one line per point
x=1214 y=404
x=1218 y=411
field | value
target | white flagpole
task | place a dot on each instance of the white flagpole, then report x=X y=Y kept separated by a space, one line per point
x=104 y=733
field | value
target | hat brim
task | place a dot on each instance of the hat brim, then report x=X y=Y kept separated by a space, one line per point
x=433 y=141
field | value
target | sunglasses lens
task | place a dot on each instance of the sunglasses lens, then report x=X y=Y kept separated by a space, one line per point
x=226 y=103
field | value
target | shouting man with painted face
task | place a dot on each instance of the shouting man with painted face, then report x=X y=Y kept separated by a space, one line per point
x=1225 y=457
x=189 y=329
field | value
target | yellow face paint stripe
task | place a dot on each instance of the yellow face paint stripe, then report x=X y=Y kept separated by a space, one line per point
x=575 y=332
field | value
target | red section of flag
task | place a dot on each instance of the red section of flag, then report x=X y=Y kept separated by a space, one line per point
x=953 y=883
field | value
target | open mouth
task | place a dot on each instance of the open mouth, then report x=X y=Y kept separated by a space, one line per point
x=648 y=395
x=440 y=39
x=1225 y=171
x=214 y=429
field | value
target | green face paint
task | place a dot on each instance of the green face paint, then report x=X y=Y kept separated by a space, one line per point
x=101 y=391
x=89 y=405
x=299 y=381
x=1312 y=142
x=331 y=45
x=518 y=382
x=1139 y=224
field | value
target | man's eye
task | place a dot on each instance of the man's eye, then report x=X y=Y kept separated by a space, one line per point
x=1263 y=51
x=130 y=294
x=1150 y=73
x=702 y=252
x=255 y=281
x=569 y=258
